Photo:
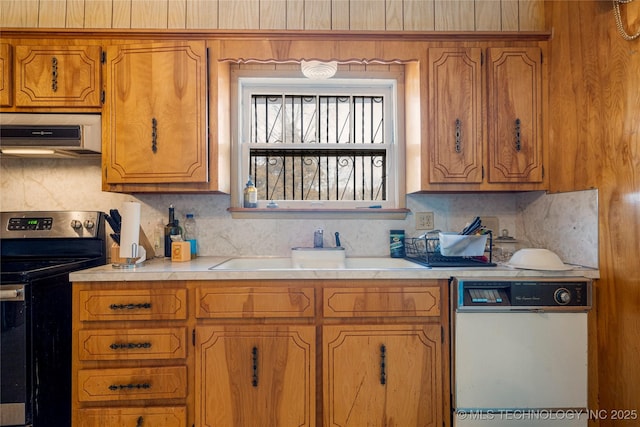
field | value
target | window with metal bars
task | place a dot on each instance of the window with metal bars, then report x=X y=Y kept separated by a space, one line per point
x=328 y=144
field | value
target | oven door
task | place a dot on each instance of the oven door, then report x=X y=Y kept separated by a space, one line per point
x=14 y=351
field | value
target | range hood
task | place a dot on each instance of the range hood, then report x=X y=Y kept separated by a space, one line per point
x=50 y=135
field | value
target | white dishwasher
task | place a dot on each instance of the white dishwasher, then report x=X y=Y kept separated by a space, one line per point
x=519 y=351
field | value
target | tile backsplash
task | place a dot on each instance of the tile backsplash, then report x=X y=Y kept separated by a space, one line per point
x=566 y=223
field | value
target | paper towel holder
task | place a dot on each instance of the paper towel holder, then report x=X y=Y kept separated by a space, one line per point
x=132 y=262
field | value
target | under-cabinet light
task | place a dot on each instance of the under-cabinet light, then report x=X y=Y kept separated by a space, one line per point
x=27 y=151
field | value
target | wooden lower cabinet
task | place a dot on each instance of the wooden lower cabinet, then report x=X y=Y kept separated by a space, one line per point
x=130 y=355
x=268 y=353
x=255 y=376
x=382 y=375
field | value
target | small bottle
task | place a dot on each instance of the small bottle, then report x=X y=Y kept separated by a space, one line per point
x=158 y=238
x=190 y=234
x=171 y=229
x=250 y=195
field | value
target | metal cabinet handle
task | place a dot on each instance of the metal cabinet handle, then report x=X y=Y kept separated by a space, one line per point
x=143 y=386
x=139 y=421
x=154 y=135
x=458 y=135
x=383 y=366
x=54 y=73
x=518 y=134
x=129 y=345
x=254 y=366
x=145 y=305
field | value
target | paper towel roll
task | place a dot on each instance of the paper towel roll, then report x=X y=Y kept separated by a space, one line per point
x=130 y=230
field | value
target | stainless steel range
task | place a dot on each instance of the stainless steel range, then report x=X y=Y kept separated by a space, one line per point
x=38 y=250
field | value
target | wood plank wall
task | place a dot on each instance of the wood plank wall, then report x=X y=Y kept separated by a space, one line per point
x=373 y=15
x=595 y=141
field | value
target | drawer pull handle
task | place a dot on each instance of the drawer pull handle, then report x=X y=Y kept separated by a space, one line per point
x=518 y=135
x=54 y=74
x=254 y=366
x=145 y=305
x=458 y=136
x=383 y=366
x=139 y=421
x=130 y=345
x=115 y=387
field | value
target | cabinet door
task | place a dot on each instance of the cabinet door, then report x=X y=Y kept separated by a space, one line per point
x=6 y=77
x=155 y=114
x=515 y=115
x=455 y=115
x=58 y=76
x=382 y=375
x=249 y=376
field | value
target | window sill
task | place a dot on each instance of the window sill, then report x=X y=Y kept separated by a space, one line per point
x=286 y=213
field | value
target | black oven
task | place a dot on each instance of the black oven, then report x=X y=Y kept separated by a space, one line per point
x=38 y=251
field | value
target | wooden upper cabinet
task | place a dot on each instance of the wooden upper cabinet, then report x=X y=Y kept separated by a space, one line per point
x=6 y=77
x=58 y=76
x=455 y=115
x=156 y=113
x=515 y=115
x=484 y=124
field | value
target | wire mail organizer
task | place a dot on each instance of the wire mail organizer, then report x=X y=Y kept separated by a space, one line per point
x=451 y=249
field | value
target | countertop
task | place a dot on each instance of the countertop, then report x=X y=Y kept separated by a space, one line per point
x=160 y=269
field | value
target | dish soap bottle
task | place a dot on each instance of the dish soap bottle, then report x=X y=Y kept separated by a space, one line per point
x=250 y=195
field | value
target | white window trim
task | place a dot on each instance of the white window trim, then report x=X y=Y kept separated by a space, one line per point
x=247 y=79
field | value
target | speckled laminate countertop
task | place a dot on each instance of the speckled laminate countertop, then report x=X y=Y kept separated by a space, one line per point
x=160 y=269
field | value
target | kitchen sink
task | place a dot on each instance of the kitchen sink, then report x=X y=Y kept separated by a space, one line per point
x=286 y=263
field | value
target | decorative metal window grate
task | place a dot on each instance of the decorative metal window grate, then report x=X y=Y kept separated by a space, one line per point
x=318 y=147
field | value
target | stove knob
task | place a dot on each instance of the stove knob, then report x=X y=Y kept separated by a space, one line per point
x=89 y=224
x=562 y=296
x=75 y=224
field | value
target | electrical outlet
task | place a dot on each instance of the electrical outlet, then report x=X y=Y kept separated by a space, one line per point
x=424 y=221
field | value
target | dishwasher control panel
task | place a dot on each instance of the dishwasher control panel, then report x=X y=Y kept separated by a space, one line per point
x=533 y=294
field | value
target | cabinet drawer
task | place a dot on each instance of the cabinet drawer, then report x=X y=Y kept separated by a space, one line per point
x=243 y=302
x=132 y=344
x=172 y=416
x=137 y=304
x=387 y=302
x=132 y=383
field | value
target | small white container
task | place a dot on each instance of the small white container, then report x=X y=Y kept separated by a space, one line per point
x=454 y=244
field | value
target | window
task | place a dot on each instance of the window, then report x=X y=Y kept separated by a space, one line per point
x=319 y=144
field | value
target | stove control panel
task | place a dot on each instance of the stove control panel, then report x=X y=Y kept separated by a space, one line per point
x=50 y=224
x=22 y=224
